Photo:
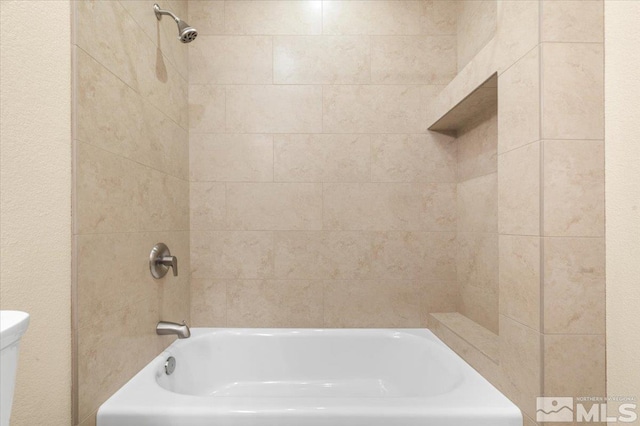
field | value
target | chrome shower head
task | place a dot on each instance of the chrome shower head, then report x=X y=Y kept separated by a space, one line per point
x=186 y=34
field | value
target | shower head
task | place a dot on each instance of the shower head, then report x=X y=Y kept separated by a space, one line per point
x=186 y=34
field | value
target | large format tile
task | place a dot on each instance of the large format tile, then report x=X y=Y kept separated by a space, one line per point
x=208 y=302
x=413 y=59
x=573 y=91
x=519 y=276
x=231 y=254
x=517 y=31
x=231 y=158
x=480 y=304
x=519 y=106
x=387 y=303
x=521 y=362
x=321 y=60
x=375 y=109
x=477 y=146
x=207 y=205
x=274 y=303
x=574 y=188
x=273 y=17
x=389 y=17
x=572 y=21
x=323 y=255
x=114 y=194
x=415 y=255
x=519 y=191
x=274 y=109
x=231 y=60
x=477 y=261
x=207 y=16
x=132 y=128
x=477 y=204
x=476 y=25
x=389 y=206
x=413 y=158
x=274 y=206
x=574 y=285
x=571 y=370
x=322 y=158
x=206 y=109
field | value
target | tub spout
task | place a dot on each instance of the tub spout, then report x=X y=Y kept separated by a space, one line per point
x=180 y=330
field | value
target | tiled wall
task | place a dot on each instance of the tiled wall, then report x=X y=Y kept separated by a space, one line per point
x=476 y=25
x=317 y=196
x=131 y=190
x=477 y=214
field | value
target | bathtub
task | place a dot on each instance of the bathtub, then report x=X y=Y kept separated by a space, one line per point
x=306 y=377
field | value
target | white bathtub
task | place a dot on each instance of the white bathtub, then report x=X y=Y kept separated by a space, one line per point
x=286 y=377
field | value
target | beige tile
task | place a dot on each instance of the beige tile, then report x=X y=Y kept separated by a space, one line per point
x=274 y=109
x=271 y=303
x=519 y=106
x=162 y=33
x=477 y=146
x=573 y=91
x=231 y=60
x=231 y=254
x=206 y=109
x=520 y=359
x=234 y=158
x=207 y=205
x=476 y=25
x=375 y=109
x=389 y=206
x=413 y=158
x=323 y=255
x=132 y=128
x=390 y=303
x=574 y=188
x=477 y=263
x=440 y=296
x=100 y=286
x=413 y=59
x=480 y=304
x=389 y=17
x=574 y=285
x=112 y=351
x=112 y=37
x=415 y=255
x=207 y=16
x=90 y=421
x=477 y=204
x=322 y=158
x=470 y=353
x=574 y=365
x=113 y=194
x=517 y=31
x=273 y=17
x=208 y=302
x=519 y=266
x=321 y=60
x=573 y=21
x=274 y=206
x=519 y=191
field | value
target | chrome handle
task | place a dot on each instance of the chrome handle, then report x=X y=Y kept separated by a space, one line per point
x=160 y=260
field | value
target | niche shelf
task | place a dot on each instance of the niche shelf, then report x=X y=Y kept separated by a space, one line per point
x=452 y=118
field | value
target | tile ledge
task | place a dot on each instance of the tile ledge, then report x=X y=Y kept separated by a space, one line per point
x=470 y=331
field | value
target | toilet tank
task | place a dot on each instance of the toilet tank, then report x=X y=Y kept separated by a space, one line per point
x=13 y=324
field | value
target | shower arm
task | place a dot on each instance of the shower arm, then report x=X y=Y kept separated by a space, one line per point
x=159 y=12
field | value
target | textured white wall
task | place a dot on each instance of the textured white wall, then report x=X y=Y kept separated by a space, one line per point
x=35 y=213
x=622 y=115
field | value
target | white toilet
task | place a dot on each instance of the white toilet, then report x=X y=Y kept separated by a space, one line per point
x=13 y=324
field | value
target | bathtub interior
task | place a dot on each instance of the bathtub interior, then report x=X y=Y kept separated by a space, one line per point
x=313 y=363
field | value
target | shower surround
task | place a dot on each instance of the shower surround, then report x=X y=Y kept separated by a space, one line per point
x=318 y=199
